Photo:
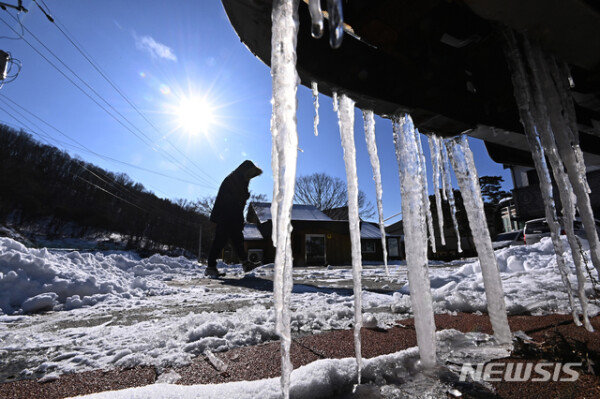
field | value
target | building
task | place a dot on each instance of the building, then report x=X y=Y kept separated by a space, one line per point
x=508 y=215
x=317 y=239
x=528 y=197
x=510 y=148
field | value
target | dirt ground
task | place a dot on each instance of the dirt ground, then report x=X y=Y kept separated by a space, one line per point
x=555 y=338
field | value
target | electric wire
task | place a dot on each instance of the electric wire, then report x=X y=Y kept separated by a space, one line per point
x=124 y=190
x=82 y=147
x=141 y=136
x=77 y=45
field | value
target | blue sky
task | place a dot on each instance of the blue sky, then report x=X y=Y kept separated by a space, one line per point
x=160 y=53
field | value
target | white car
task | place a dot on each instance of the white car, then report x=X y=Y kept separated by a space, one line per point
x=537 y=229
x=508 y=239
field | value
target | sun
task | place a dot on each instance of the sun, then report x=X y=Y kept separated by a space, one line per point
x=195 y=115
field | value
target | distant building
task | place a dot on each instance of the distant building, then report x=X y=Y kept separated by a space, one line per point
x=511 y=150
x=508 y=215
x=317 y=239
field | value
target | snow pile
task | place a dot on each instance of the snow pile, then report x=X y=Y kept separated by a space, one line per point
x=531 y=282
x=33 y=280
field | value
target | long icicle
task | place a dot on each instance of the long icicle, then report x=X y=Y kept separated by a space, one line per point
x=532 y=102
x=434 y=151
x=566 y=195
x=346 y=122
x=369 y=120
x=449 y=192
x=425 y=192
x=415 y=233
x=561 y=119
x=315 y=93
x=525 y=102
x=468 y=181
x=564 y=128
x=285 y=137
x=561 y=76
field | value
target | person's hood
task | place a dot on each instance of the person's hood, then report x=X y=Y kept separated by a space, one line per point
x=248 y=170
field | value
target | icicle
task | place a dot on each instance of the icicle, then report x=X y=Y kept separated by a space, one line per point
x=369 y=120
x=425 y=193
x=315 y=93
x=336 y=23
x=285 y=144
x=447 y=182
x=434 y=150
x=541 y=143
x=545 y=131
x=468 y=181
x=562 y=121
x=316 y=16
x=443 y=162
x=562 y=77
x=415 y=234
x=275 y=169
x=335 y=101
x=346 y=122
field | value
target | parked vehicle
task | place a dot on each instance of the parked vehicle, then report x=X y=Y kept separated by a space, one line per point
x=508 y=239
x=537 y=229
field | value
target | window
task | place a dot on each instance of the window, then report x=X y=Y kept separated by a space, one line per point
x=368 y=246
x=392 y=247
x=315 y=249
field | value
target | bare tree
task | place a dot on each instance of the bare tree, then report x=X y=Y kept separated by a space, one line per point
x=327 y=192
x=205 y=204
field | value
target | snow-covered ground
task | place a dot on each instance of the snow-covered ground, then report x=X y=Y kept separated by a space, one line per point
x=382 y=376
x=65 y=312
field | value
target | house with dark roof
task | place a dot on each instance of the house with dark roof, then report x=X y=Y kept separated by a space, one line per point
x=317 y=239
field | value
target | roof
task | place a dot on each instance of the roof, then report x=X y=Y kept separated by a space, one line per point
x=299 y=212
x=340 y=213
x=395 y=228
x=370 y=230
x=251 y=232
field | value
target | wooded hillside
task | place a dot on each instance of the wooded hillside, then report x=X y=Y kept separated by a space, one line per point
x=41 y=181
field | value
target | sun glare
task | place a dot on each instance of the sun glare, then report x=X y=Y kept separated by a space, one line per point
x=195 y=115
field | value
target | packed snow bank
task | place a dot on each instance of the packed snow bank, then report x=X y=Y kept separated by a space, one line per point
x=332 y=377
x=33 y=280
x=530 y=278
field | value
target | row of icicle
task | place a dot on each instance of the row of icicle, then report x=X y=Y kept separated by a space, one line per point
x=547 y=113
x=417 y=218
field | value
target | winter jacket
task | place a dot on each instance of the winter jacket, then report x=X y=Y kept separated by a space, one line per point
x=233 y=194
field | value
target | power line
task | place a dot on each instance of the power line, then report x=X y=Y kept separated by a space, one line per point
x=94 y=64
x=150 y=141
x=113 y=183
x=82 y=147
x=141 y=136
x=79 y=47
x=170 y=219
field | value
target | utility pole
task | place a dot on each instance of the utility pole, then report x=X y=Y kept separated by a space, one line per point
x=4 y=64
x=200 y=246
x=7 y=62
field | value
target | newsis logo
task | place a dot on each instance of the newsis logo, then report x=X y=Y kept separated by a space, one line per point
x=518 y=372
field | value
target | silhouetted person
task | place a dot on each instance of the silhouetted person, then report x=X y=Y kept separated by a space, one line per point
x=228 y=214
